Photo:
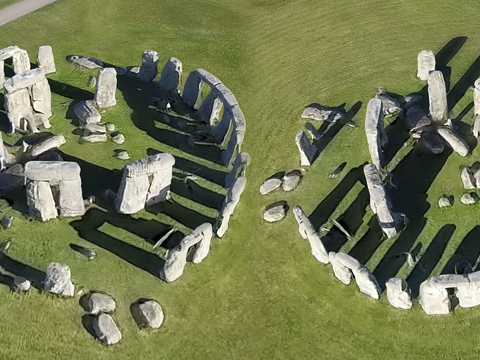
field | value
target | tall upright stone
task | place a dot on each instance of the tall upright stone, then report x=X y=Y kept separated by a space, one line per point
x=192 y=92
x=21 y=61
x=171 y=76
x=306 y=148
x=210 y=108
x=426 y=64
x=148 y=70
x=239 y=168
x=476 y=105
x=375 y=130
x=45 y=59
x=106 y=88
x=229 y=205
x=437 y=96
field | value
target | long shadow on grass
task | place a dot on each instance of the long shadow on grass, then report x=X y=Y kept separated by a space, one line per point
x=468 y=250
x=36 y=277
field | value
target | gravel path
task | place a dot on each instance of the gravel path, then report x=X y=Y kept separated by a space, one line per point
x=21 y=8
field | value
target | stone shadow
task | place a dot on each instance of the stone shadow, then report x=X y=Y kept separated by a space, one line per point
x=468 y=250
x=35 y=276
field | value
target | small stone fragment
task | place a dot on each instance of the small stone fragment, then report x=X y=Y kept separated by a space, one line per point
x=5 y=246
x=123 y=155
x=88 y=253
x=98 y=302
x=291 y=180
x=469 y=198
x=95 y=128
x=467 y=178
x=7 y=221
x=110 y=126
x=338 y=170
x=118 y=138
x=92 y=81
x=148 y=314
x=21 y=283
x=275 y=212
x=269 y=185
x=106 y=329
x=94 y=138
x=445 y=201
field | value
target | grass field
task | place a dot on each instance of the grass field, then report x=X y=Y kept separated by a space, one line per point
x=259 y=294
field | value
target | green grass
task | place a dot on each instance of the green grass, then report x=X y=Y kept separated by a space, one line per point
x=5 y=3
x=260 y=293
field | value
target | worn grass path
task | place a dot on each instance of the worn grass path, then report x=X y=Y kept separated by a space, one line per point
x=259 y=294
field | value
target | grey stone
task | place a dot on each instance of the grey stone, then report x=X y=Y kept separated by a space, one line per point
x=314 y=134
x=192 y=91
x=120 y=71
x=202 y=248
x=291 y=180
x=29 y=152
x=92 y=82
x=307 y=231
x=86 y=112
x=118 y=138
x=21 y=283
x=209 y=110
x=57 y=280
x=434 y=297
x=41 y=98
x=476 y=125
x=342 y=273
x=177 y=257
x=148 y=70
x=374 y=129
x=85 y=61
x=320 y=113
x=379 y=201
x=431 y=142
x=239 y=168
x=106 y=329
x=106 y=88
x=392 y=103
x=469 y=198
x=444 y=201
x=24 y=80
x=338 y=170
x=45 y=59
x=454 y=140
x=100 y=303
x=70 y=199
x=468 y=179
x=21 y=61
x=437 y=96
x=426 y=64
x=110 y=126
x=148 y=314
x=12 y=179
x=229 y=205
x=93 y=138
x=40 y=201
x=123 y=155
x=238 y=134
x=7 y=221
x=6 y=158
x=269 y=185
x=476 y=97
x=306 y=148
x=171 y=76
x=52 y=171
x=94 y=128
x=398 y=293
x=275 y=212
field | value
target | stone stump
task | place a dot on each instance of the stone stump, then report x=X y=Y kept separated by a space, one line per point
x=106 y=88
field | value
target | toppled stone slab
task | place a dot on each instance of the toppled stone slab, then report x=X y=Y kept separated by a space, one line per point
x=57 y=280
x=148 y=314
x=469 y=198
x=12 y=179
x=314 y=134
x=122 y=155
x=445 y=201
x=106 y=329
x=323 y=113
x=93 y=138
x=85 y=61
x=98 y=303
x=275 y=212
x=398 y=293
x=30 y=152
x=454 y=140
x=291 y=180
x=269 y=185
x=337 y=171
x=86 y=112
x=467 y=178
x=426 y=64
x=416 y=118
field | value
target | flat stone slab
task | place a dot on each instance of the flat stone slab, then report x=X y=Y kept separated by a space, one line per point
x=291 y=180
x=85 y=61
x=322 y=113
x=269 y=185
x=52 y=170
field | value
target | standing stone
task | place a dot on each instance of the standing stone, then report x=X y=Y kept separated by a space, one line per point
x=437 y=96
x=40 y=201
x=426 y=64
x=398 y=293
x=70 y=198
x=307 y=231
x=476 y=103
x=379 y=201
x=21 y=61
x=468 y=293
x=342 y=273
x=454 y=140
x=192 y=92
x=229 y=205
x=106 y=87
x=374 y=128
x=148 y=70
x=434 y=297
x=57 y=280
x=41 y=97
x=5 y=54
x=45 y=59
x=106 y=329
x=203 y=247
x=467 y=178
x=177 y=257
x=239 y=168
x=210 y=108
x=148 y=314
x=306 y=148
x=171 y=76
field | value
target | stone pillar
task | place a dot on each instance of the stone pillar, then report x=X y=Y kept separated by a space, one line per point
x=239 y=167
x=17 y=106
x=379 y=201
x=192 y=92
x=45 y=59
x=398 y=293
x=2 y=72
x=375 y=131
x=476 y=103
x=171 y=76
x=70 y=198
x=160 y=186
x=40 y=200
x=132 y=194
x=203 y=246
x=209 y=110
x=21 y=61
x=426 y=64
x=341 y=272
x=306 y=148
x=229 y=205
x=106 y=87
x=437 y=96
x=41 y=97
x=148 y=70
x=220 y=131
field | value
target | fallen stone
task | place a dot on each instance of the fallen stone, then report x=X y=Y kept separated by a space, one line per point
x=426 y=64
x=85 y=61
x=123 y=155
x=275 y=212
x=454 y=140
x=94 y=138
x=432 y=142
x=468 y=179
x=269 y=185
x=148 y=314
x=398 y=293
x=95 y=128
x=444 y=201
x=7 y=221
x=57 y=280
x=54 y=156
x=110 y=126
x=321 y=113
x=106 y=329
x=98 y=303
x=118 y=139
x=469 y=198
x=86 y=112
x=291 y=180
x=21 y=283
x=11 y=179
x=415 y=117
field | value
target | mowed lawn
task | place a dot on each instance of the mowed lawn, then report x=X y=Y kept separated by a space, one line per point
x=260 y=294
